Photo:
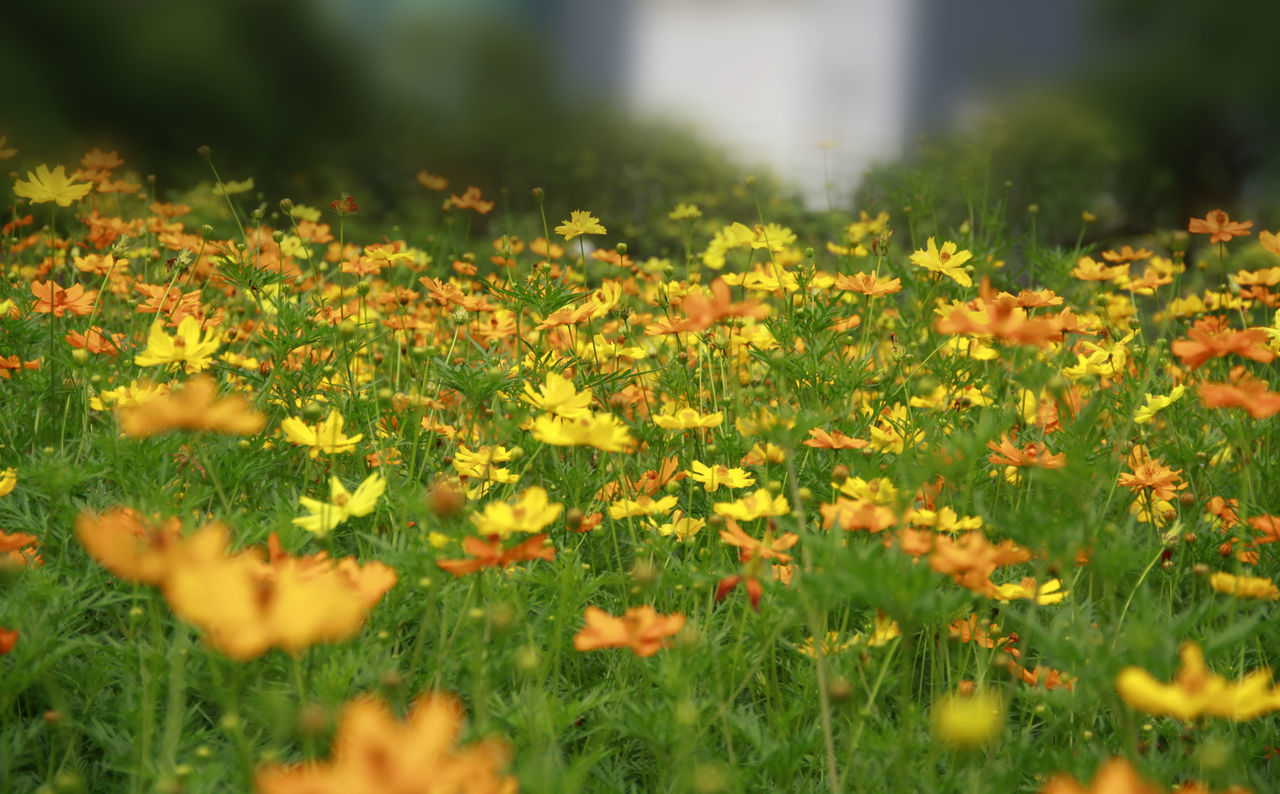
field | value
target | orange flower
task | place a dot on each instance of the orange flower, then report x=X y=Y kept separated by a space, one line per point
x=8 y=639
x=749 y=582
x=1220 y=226
x=50 y=298
x=16 y=549
x=869 y=284
x=1244 y=391
x=431 y=181
x=821 y=439
x=769 y=548
x=641 y=629
x=853 y=514
x=290 y=604
x=128 y=546
x=971 y=559
x=375 y=753
x=1126 y=254
x=14 y=363
x=486 y=555
x=470 y=200
x=1116 y=776
x=1204 y=342
x=1033 y=453
x=96 y=341
x=1150 y=473
x=193 y=406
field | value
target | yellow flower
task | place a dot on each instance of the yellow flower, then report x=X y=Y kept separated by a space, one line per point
x=642 y=506
x=1238 y=586
x=186 y=346
x=324 y=437
x=1196 y=691
x=681 y=526
x=946 y=260
x=687 y=418
x=757 y=504
x=1050 y=592
x=531 y=513
x=968 y=721
x=682 y=212
x=8 y=477
x=233 y=187
x=480 y=464
x=713 y=477
x=831 y=645
x=44 y=185
x=580 y=222
x=341 y=505
x=558 y=396
x=604 y=431
x=1156 y=403
x=883 y=631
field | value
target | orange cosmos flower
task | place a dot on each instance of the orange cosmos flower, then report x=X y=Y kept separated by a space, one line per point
x=1220 y=226
x=52 y=299
x=1033 y=453
x=17 y=549
x=822 y=439
x=431 y=181
x=193 y=406
x=8 y=639
x=1244 y=391
x=1116 y=776
x=492 y=555
x=868 y=284
x=471 y=200
x=1148 y=472
x=770 y=548
x=641 y=629
x=1127 y=254
x=96 y=341
x=128 y=546
x=971 y=559
x=375 y=753
x=1204 y=342
x=8 y=363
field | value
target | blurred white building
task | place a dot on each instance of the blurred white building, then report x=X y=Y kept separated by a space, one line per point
x=773 y=80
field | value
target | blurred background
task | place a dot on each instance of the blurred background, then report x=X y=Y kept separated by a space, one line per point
x=1143 y=111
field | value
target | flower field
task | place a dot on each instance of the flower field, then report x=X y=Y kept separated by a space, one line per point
x=499 y=499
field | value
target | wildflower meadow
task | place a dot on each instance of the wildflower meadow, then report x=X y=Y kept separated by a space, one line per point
x=512 y=495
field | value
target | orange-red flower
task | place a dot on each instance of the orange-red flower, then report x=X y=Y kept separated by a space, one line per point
x=1204 y=342
x=1244 y=391
x=1219 y=225
x=770 y=548
x=641 y=629
x=8 y=639
x=492 y=555
x=1033 y=453
x=822 y=439
x=96 y=341
x=52 y=299
x=471 y=200
x=18 y=548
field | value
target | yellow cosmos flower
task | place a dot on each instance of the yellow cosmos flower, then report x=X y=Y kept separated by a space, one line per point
x=531 y=513
x=713 y=477
x=757 y=504
x=688 y=418
x=1157 y=403
x=43 y=185
x=1050 y=592
x=479 y=464
x=946 y=260
x=1196 y=691
x=968 y=721
x=685 y=212
x=558 y=396
x=186 y=346
x=580 y=222
x=341 y=505
x=604 y=431
x=1238 y=586
x=642 y=506
x=681 y=526
x=8 y=479
x=325 y=437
